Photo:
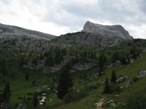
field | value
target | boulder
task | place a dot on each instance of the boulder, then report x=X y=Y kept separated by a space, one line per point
x=142 y=74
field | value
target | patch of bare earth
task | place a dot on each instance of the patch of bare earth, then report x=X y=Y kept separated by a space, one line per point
x=100 y=103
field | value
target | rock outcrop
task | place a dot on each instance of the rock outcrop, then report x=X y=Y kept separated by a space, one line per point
x=106 y=30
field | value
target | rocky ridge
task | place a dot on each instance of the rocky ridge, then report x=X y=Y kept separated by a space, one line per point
x=7 y=31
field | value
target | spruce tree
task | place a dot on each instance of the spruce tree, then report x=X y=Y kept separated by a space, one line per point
x=64 y=83
x=106 y=86
x=26 y=76
x=3 y=69
x=1 y=99
x=6 y=93
x=113 y=77
x=35 y=100
x=115 y=56
x=101 y=63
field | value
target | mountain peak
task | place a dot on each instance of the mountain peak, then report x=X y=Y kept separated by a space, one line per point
x=107 y=30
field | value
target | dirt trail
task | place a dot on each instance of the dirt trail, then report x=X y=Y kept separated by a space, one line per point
x=100 y=103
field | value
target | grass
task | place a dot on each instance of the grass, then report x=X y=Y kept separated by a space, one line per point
x=20 y=87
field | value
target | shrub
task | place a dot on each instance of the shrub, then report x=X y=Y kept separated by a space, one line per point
x=29 y=93
x=135 y=79
x=20 y=98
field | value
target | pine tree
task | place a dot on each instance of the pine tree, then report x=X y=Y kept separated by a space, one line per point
x=21 y=62
x=113 y=77
x=6 y=93
x=35 y=100
x=101 y=63
x=3 y=69
x=106 y=86
x=115 y=56
x=64 y=83
x=26 y=76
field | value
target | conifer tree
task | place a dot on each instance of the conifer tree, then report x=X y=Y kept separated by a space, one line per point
x=115 y=56
x=106 y=86
x=101 y=63
x=35 y=100
x=26 y=76
x=113 y=77
x=3 y=69
x=6 y=93
x=64 y=83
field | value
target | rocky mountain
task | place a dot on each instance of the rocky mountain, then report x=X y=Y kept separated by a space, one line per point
x=107 y=30
x=97 y=35
x=7 y=31
x=21 y=39
x=92 y=34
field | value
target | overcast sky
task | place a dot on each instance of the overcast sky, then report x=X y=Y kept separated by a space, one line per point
x=61 y=16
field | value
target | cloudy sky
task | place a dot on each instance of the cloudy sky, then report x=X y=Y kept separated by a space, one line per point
x=61 y=16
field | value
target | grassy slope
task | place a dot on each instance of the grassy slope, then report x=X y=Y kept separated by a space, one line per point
x=21 y=87
x=131 y=71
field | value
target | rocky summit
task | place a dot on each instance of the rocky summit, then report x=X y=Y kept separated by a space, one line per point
x=107 y=30
x=97 y=35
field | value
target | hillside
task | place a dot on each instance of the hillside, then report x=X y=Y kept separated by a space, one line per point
x=7 y=31
x=132 y=97
x=19 y=68
x=74 y=71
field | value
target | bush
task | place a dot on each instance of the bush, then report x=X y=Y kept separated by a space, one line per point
x=20 y=98
x=28 y=98
x=135 y=79
x=29 y=93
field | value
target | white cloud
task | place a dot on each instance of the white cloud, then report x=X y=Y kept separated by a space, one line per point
x=137 y=31
x=59 y=17
x=29 y=16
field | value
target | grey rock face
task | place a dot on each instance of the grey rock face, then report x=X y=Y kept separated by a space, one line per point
x=7 y=31
x=106 y=30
